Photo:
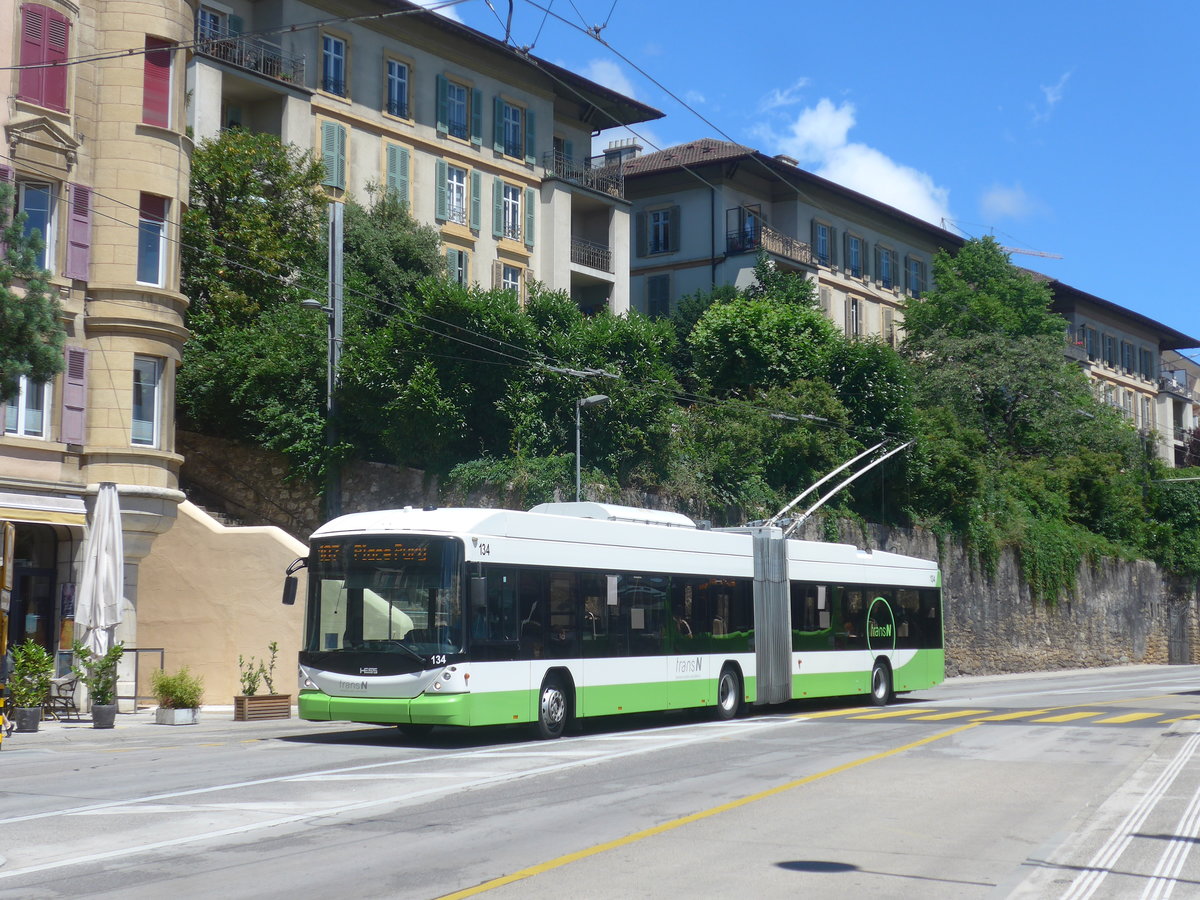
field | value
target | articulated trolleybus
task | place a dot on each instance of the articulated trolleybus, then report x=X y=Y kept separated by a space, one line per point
x=433 y=617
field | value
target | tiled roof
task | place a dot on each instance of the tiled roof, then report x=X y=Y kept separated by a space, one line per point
x=705 y=150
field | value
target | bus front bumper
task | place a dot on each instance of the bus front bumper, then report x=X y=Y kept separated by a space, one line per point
x=443 y=709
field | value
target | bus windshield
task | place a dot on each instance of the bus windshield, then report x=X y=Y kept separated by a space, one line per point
x=385 y=594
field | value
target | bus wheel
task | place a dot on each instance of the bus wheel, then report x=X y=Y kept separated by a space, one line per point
x=881 y=683
x=552 y=709
x=729 y=694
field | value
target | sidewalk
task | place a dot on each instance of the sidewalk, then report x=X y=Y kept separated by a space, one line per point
x=139 y=729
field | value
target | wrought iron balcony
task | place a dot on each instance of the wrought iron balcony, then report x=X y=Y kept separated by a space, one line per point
x=397 y=107
x=747 y=240
x=1178 y=388
x=594 y=173
x=1076 y=351
x=250 y=53
x=591 y=254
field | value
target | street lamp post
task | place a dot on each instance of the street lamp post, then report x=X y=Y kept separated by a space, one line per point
x=593 y=400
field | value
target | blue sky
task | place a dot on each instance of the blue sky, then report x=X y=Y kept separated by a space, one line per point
x=1068 y=128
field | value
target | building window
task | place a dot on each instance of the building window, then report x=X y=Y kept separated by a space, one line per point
x=510 y=278
x=1127 y=357
x=885 y=267
x=512 y=212
x=822 y=242
x=36 y=200
x=1110 y=351
x=45 y=36
x=456 y=195
x=513 y=127
x=25 y=414
x=1146 y=364
x=209 y=24
x=658 y=295
x=333 y=65
x=457 y=108
x=456 y=264
x=854 y=255
x=854 y=317
x=1091 y=344
x=397 y=89
x=147 y=376
x=914 y=276
x=156 y=83
x=1147 y=413
x=333 y=154
x=152 y=236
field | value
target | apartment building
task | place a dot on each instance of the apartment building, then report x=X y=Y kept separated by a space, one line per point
x=97 y=153
x=489 y=145
x=703 y=210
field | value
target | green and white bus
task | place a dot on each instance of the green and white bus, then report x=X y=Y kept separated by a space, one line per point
x=423 y=617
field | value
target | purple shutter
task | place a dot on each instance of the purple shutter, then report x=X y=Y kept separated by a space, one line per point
x=79 y=233
x=54 y=87
x=74 y=404
x=156 y=97
x=32 y=83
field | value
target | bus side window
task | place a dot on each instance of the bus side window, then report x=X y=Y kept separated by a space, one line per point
x=532 y=610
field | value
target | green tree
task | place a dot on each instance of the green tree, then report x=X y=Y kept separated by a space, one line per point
x=31 y=329
x=254 y=227
x=386 y=253
x=979 y=291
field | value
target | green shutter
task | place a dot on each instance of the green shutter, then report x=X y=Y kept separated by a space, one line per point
x=530 y=132
x=497 y=124
x=530 y=206
x=441 y=209
x=397 y=172
x=443 y=105
x=452 y=264
x=333 y=154
x=497 y=208
x=477 y=117
x=476 y=199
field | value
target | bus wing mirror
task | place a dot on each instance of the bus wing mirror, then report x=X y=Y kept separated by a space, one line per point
x=291 y=582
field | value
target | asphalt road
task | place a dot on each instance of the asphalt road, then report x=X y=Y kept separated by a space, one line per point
x=1079 y=784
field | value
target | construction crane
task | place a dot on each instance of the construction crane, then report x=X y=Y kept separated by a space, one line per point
x=1032 y=252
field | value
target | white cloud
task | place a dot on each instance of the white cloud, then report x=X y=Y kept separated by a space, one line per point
x=609 y=74
x=449 y=12
x=695 y=98
x=1052 y=95
x=779 y=98
x=819 y=139
x=1006 y=202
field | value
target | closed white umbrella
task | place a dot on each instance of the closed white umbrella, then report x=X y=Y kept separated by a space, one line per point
x=102 y=584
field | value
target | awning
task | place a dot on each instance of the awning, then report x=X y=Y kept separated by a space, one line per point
x=43 y=510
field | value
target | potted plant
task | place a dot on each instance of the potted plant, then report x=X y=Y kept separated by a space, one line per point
x=32 y=669
x=250 y=704
x=179 y=696
x=99 y=676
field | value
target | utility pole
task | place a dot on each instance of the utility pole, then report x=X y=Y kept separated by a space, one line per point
x=333 y=477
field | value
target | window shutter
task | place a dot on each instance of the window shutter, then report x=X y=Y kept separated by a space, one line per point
x=329 y=145
x=156 y=85
x=530 y=134
x=443 y=104
x=465 y=260
x=477 y=117
x=833 y=257
x=497 y=207
x=879 y=251
x=639 y=229
x=441 y=207
x=6 y=176
x=673 y=219
x=397 y=172
x=569 y=151
x=452 y=264
x=476 y=199
x=33 y=50
x=57 y=39
x=79 y=233
x=497 y=124
x=889 y=325
x=74 y=402
x=236 y=26
x=530 y=205
x=812 y=238
x=826 y=296
x=497 y=273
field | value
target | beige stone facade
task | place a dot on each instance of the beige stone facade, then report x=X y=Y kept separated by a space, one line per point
x=81 y=155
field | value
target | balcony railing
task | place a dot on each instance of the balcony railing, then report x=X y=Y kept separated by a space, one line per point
x=589 y=253
x=1178 y=388
x=1075 y=351
x=250 y=53
x=590 y=173
x=747 y=240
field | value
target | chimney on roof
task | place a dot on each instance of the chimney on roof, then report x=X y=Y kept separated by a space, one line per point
x=618 y=152
x=787 y=160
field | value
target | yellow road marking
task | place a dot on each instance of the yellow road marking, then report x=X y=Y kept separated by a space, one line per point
x=829 y=713
x=1022 y=714
x=1128 y=717
x=957 y=714
x=568 y=858
x=894 y=713
x=1180 y=719
x=1071 y=717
